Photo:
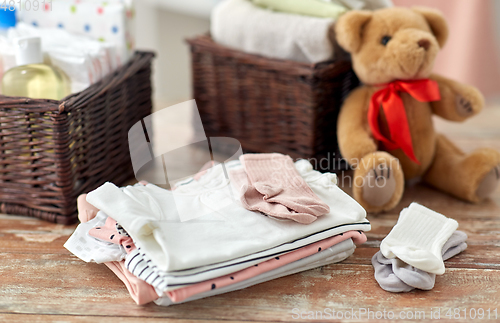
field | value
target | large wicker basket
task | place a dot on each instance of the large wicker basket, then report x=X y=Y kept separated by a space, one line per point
x=50 y=151
x=271 y=105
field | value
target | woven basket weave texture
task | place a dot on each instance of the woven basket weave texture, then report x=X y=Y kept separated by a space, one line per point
x=270 y=105
x=53 y=151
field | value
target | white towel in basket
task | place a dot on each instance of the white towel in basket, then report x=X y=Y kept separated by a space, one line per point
x=241 y=25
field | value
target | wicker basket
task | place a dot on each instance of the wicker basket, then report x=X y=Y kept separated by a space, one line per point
x=271 y=105
x=51 y=151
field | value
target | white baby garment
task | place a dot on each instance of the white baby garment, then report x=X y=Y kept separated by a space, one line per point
x=88 y=248
x=323 y=258
x=141 y=266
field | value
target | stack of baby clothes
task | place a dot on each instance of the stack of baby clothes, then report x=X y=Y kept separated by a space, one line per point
x=297 y=30
x=234 y=225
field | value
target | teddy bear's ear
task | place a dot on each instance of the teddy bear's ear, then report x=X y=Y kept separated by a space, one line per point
x=349 y=28
x=436 y=21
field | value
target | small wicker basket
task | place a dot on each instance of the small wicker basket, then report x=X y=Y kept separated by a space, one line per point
x=271 y=105
x=51 y=151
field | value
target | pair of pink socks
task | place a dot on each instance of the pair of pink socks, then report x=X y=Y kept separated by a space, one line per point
x=270 y=184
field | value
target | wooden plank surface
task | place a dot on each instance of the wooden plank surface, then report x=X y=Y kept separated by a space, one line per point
x=40 y=281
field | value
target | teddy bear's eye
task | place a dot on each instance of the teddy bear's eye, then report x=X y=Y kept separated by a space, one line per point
x=385 y=40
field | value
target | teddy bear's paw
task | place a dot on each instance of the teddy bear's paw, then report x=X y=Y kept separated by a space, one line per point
x=379 y=185
x=469 y=101
x=379 y=182
x=464 y=106
x=489 y=183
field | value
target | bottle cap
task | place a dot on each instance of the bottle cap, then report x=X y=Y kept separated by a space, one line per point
x=28 y=50
x=7 y=16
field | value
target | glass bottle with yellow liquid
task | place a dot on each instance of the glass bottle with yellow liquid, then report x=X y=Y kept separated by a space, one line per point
x=31 y=78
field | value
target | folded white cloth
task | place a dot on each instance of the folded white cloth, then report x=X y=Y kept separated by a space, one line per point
x=418 y=238
x=323 y=258
x=364 y=4
x=90 y=249
x=241 y=25
x=143 y=267
x=150 y=215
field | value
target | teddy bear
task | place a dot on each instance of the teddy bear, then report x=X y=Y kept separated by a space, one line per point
x=385 y=129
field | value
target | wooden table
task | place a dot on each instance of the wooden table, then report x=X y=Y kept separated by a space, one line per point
x=42 y=281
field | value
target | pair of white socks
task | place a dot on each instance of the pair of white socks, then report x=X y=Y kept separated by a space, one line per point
x=418 y=238
x=393 y=275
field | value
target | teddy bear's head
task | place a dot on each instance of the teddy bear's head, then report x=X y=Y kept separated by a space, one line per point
x=392 y=44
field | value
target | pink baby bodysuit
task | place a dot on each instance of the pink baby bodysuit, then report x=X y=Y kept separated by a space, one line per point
x=86 y=211
x=181 y=294
x=113 y=232
x=140 y=291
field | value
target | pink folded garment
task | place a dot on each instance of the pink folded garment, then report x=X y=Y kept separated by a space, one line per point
x=86 y=211
x=114 y=233
x=270 y=183
x=140 y=291
x=181 y=294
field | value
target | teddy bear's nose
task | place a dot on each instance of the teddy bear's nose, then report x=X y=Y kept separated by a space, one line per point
x=424 y=43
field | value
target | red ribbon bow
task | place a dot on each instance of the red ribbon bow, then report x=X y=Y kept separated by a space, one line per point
x=423 y=90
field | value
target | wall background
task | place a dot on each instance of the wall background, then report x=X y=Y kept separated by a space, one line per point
x=471 y=55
